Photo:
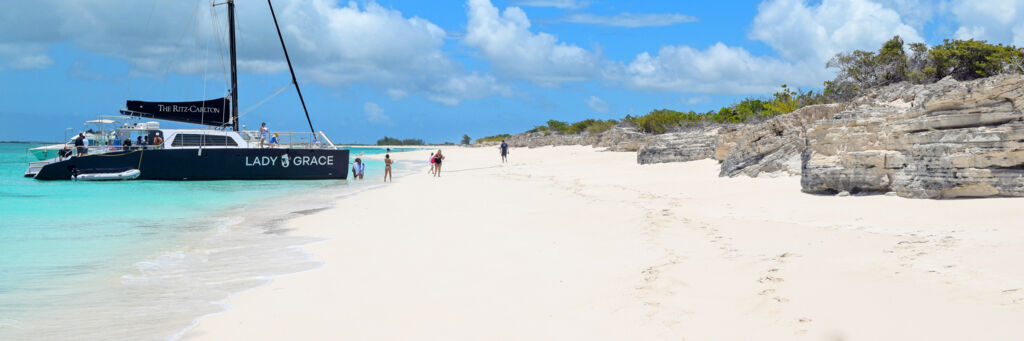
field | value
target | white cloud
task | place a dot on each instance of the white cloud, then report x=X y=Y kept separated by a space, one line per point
x=694 y=100
x=630 y=20
x=506 y=42
x=815 y=33
x=805 y=36
x=564 y=4
x=330 y=44
x=915 y=13
x=998 y=21
x=24 y=56
x=598 y=104
x=453 y=90
x=717 y=69
x=375 y=114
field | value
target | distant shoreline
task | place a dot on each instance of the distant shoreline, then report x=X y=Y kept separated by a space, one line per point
x=27 y=142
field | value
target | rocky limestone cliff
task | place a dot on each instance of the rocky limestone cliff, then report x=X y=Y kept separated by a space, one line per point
x=772 y=146
x=945 y=140
x=692 y=144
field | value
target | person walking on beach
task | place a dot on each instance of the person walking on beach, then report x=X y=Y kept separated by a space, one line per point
x=433 y=166
x=387 y=167
x=504 y=151
x=358 y=168
x=438 y=157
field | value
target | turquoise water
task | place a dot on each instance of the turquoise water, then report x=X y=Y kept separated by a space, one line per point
x=82 y=259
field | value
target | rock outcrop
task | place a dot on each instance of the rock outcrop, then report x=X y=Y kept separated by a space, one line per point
x=774 y=145
x=689 y=145
x=945 y=140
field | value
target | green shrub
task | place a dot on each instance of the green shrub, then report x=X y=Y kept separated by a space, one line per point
x=495 y=138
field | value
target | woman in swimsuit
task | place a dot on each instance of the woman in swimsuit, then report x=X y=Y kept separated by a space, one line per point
x=387 y=167
x=438 y=157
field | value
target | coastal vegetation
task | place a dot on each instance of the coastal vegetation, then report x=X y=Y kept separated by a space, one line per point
x=961 y=59
x=495 y=138
x=856 y=72
x=587 y=125
x=391 y=141
x=466 y=139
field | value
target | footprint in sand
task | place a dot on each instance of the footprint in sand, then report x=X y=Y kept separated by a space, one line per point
x=650 y=274
x=1014 y=291
x=766 y=292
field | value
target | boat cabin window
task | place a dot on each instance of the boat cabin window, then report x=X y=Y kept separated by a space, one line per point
x=196 y=140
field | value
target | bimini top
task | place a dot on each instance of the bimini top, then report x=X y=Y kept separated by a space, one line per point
x=214 y=112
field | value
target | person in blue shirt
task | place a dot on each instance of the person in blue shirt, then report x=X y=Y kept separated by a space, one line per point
x=358 y=168
x=273 y=141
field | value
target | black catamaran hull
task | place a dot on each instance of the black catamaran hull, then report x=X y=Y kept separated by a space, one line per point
x=212 y=164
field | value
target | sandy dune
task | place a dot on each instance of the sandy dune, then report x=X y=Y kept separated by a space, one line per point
x=569 y=243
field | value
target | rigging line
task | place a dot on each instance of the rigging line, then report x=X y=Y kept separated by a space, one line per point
x=261 y=102
x=290 y=69
x=202 y=113
x=167 y=66
x=145 y=32
x=219 y=38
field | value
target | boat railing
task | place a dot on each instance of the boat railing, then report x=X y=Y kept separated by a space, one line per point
x=288 y=139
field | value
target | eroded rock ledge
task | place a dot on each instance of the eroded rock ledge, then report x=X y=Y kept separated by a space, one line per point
x=944 y=140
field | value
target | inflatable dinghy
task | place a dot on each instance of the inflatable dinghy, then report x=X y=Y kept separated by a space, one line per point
x=106 y=175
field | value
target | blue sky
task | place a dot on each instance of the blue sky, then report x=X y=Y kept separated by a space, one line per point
x=439 y=69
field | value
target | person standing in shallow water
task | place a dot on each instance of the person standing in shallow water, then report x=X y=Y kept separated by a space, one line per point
x=387 y=167
x=504 y=151
x=358 y=168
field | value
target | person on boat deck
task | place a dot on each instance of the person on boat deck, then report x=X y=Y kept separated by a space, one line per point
x=140 y=142
x=273 y=141
x=80 y=144
x=358 y=168
x=263 y=133
x=158 y=141
x=127 y=144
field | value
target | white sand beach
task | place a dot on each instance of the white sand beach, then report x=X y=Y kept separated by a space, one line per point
x=571 y=243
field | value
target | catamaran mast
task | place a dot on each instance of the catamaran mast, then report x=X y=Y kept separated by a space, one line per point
x=234 y=68
x=290 y=69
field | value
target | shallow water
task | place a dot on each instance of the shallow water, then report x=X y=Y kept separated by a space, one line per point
x=142 y=259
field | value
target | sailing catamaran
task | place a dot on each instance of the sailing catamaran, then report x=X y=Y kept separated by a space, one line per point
x=202 y=154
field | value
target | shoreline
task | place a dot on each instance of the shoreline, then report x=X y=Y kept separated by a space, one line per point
x=278 y=223
x=573 y=243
